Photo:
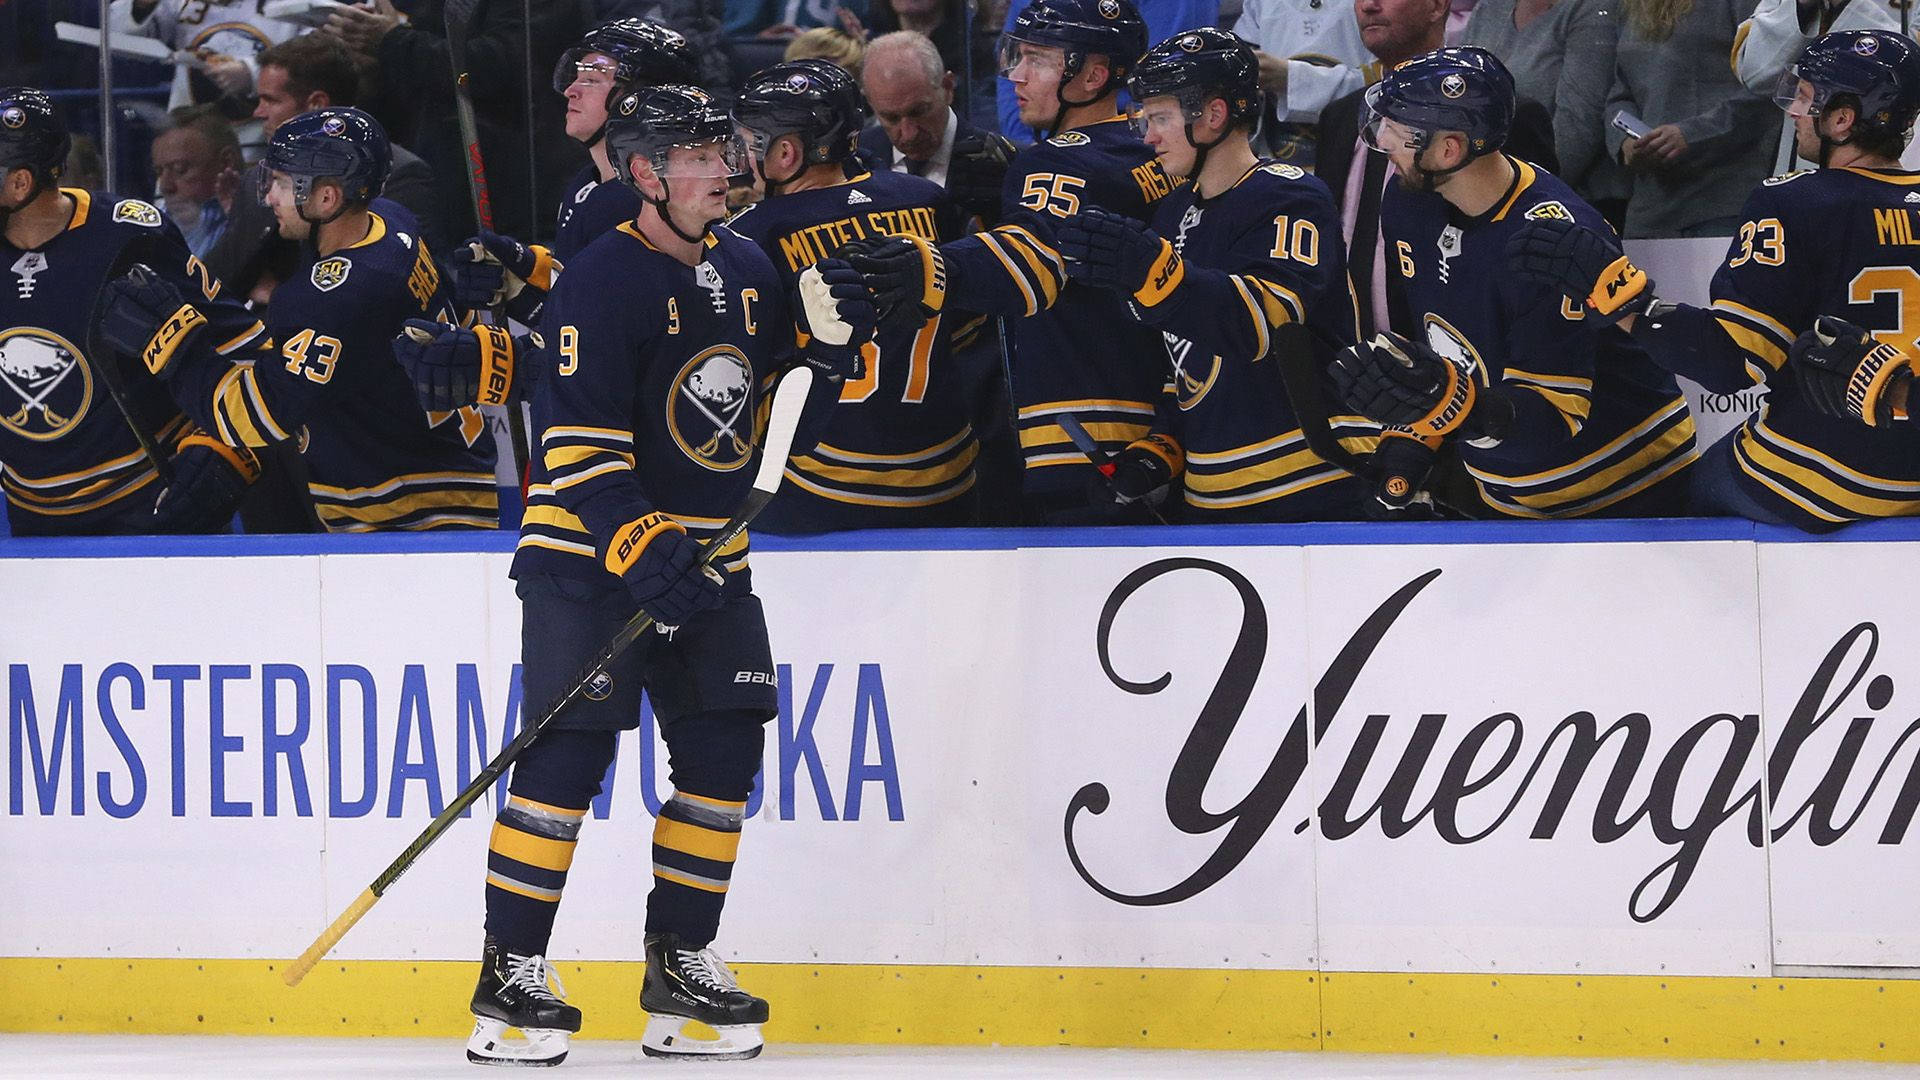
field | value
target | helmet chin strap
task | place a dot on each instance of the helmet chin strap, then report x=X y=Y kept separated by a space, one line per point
x=1060 y=95
x=660 y=207
x=1200 y=150
x=40 y=184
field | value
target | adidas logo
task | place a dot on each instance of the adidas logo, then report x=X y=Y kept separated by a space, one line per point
x=1913 y=196
x=855 y=197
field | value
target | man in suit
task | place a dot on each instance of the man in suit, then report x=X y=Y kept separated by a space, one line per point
x=1395 y=31
x=910 y=91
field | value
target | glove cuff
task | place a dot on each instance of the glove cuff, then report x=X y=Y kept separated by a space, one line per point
x=1457 y=398
x=1623 y=289
x=1164 y=447
x=175 y=334
x=496 y=364
x=545 y=268
x=1163 y=277
x=631 y=540
x=933 y=267
x=1872 y=377
x=239 y=457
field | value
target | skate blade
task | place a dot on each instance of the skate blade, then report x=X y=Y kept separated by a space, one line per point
x=665 y=1039
x=537 y=1048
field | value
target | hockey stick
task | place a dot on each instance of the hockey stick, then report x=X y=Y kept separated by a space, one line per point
x=460 y=15
x=1084 y=441
x=789 y=398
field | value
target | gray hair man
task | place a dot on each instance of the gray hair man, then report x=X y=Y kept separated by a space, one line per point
x=910 y=91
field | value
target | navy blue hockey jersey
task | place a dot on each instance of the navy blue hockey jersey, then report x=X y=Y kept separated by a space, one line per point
x=1595 y=420
x=1258 y=256
x=375 y=460
x=69 y=462
x=653 y=398
x=898 y=449
x=1071 y=348
x=589 y=207
x=1842 y=242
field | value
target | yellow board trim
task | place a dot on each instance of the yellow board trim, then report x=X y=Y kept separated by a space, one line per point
x=1558 y=1015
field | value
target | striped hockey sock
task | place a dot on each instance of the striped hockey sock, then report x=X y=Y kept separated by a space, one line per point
x=527 y=860
x=695 y=840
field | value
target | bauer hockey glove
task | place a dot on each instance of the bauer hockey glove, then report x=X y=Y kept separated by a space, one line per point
x=147 y=316
x=1402 y=383
x=1845 y=373
x=907 y=275
x=209 y=480
x=840 y=316
x=490 y=270
x=1143 y=473
x=1586 y=267
x=1113 y=251
x=453 y=367
x=661 y=565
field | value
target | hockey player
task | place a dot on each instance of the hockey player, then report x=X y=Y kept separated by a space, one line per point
x=374 y=459
x=1232 y=256
x=85 y=431
x=646 y=425
x=899 y=450
x=1073 y=350
x=1551 y=413
x=1823 y=266
x=456 y=366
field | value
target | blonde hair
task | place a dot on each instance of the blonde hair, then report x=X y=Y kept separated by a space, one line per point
x=829 y=43
x=1654 y=20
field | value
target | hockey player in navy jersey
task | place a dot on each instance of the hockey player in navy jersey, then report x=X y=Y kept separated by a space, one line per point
x=85 y=431
x=1073 y=349
x=1231 y=257
x=329 y=384
x=453 y=366
x=1548 y=411
x=1824 y=267
x=645 y=428
x=899 y=449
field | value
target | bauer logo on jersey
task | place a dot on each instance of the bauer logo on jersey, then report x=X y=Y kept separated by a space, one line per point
x=1453 y=86
x=45 y=385
x=327 y=274
x=1549 y=210
x=710 y=411
x=140 y=213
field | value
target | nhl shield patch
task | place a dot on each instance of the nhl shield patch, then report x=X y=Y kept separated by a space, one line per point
x=140 y=213
x=329 y=273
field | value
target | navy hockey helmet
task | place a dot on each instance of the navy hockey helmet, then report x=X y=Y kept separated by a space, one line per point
x=816 y=100
x=32 y=134
x=1878 y=69
x=641 y=53
x=1197 y=66
x=651 y=121
x=341 y=144
x=1460 y=88
x=1081 y=28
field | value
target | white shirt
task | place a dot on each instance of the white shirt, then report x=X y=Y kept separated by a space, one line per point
x=1319 y=39
x=936 y=169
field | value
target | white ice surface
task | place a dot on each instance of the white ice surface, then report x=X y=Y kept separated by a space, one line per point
x=162 y=1057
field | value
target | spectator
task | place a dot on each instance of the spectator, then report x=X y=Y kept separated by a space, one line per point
x=1164 y=19
x=197 y=165
x=829 y=43
x=1769 y=42
x=1310 y=53
x=969 y=56
x=1561 y=55
x=917 y=131
x=84 y=168
x=228 y=35
x=528 y=159
x=1711 y=140
x=1393 y=31
x=701 y=22
x=787 y=18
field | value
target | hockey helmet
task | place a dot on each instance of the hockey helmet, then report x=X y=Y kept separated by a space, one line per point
x=1879 y=69
x=813 y=99
x=1460 y=88
x=642 y=53
x=1081 y=28
x=32 y=134
x=654 y=119
x=341 y=144
x=1197 y=66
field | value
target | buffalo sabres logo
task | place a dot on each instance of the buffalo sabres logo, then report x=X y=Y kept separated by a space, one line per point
x=13 y=117
x=334 y=126
x=327 y=274
x=1109 y=9
x=709 y=411
x=137 y=212
x=797 y=83
x=1192 y=376
x=1453 y=86
x=1866 y=46
x=629 y=105
x=1192 y=43
x=45 y=385
x=600 y=687
x=1453 y=345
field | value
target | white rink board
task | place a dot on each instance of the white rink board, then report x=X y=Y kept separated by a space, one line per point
x=949 y=730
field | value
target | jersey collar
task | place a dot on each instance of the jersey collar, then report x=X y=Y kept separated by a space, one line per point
x=1885 y=176
x=82 y=204
x=376 y=230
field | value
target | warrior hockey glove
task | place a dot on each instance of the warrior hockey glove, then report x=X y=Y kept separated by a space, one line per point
x=209 y=480
x=1113 y=251
x=1142 y=473
x=147 y=316
x=1586 y=267
x=1845 y=373
x=1403 y=383
x=453 y=367
x=490 y=270
x=1402 y=461
x=976 y=173
x=907 y=275
x=840 y=316
x=661 y=565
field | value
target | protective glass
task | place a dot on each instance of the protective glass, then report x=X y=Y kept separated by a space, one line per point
x=1796 y=95
x=1034 y=60
x=272 y=181
x=590 y=70
x=1389 y=136
x=1164 y=116
x=714 y=159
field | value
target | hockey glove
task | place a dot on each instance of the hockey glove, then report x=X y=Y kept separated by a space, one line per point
x=976 y=173
x=661 y=565
x=453 y=367
x=1113 y=251
x=1142 y=473
x=490 y=270
x=147 y=316
x=1403 y=383
x=1402 y=462
x=1845 y=373
x=840 y=316
x=1584 y=266
x=209 y=480
x=907 y=275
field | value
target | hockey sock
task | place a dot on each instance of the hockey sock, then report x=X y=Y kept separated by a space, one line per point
x=535 y=832
x=695 y=838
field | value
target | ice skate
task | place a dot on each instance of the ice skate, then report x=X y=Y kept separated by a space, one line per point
x=683 y=985
x=513 y=993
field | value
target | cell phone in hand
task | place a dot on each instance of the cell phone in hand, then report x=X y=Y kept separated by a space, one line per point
x=1635 y=127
